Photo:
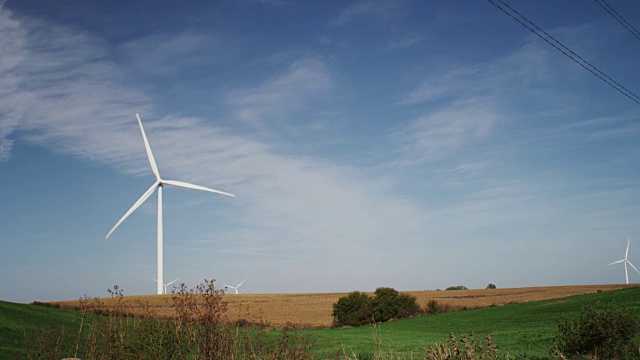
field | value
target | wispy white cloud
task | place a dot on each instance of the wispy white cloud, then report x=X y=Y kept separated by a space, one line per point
x=304 y=81
x=56 y=75
x=441 y=133
x=367 y=11
x=404 y=41
x=13 y=100
x=286 y=203
x=165 y=54
x=523 y=70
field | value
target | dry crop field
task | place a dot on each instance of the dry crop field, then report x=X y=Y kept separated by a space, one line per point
x=314 y=310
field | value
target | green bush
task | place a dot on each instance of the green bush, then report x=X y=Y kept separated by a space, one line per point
x=491 y=286
x=457 y=287
x=433 y=307
x=385 y=304
x=407 y=306
x=358 y=308
x=353 y=310
x=606 y=333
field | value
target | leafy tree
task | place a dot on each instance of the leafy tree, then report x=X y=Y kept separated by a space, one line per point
x=491 y=286
x=407 y=306
x=353 y=310
x=385 y=304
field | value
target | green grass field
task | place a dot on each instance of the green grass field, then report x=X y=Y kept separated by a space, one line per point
x=16 y=319
x=517 y=329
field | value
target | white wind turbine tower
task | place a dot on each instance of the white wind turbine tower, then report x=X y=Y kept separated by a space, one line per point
x=158 y=184
x=235 y=287
x=167 y=284
x=626 y=261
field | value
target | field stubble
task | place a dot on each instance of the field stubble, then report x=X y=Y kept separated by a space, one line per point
x=314 y=310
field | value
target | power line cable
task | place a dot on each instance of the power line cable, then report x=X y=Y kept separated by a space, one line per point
x=589 y=67
x=567 y=52
x=619 y=18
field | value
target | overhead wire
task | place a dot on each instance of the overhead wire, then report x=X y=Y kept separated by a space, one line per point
x=566 y=51
x=619 y=18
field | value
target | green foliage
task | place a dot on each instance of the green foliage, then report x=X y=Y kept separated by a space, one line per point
x=491 y=286
x=457 y=287
x=46 y=304
x=353 y=310
x=606 y=332
x=433 y=307
x=385 y=306
x=198 y=331
x=358 y=308
x=467 y=348
x=407 y=306
x=523 y=330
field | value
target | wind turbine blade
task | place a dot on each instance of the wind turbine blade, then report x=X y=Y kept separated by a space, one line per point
x=137 y=204
x=617 y=262
x=241 y=282
x=173 y=281
x=152 y=160
x=195 y=187
x=634 y=268
x=626 y=255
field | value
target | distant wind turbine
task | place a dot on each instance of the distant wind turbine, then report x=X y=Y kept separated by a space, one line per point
x=235 y=287
x=626 y=261
x=158 y=184
x=167 y=284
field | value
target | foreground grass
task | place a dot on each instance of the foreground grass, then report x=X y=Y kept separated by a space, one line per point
x=16 y=319
x=519 y=329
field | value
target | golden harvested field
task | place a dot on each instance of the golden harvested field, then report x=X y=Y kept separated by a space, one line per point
x=314 y=310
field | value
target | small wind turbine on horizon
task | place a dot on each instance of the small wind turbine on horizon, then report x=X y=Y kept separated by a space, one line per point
x=235 y=287
x=167 y=284
x=626 y=261
x=158 y=184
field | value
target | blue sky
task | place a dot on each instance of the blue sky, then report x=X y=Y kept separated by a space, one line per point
x=409 y=144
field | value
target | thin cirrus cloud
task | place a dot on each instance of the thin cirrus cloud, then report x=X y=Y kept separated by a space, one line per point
x=439 y=134
x=165 y=54
x=62 y=89
x=88 y=113
x=303 y=81
x=367 y=11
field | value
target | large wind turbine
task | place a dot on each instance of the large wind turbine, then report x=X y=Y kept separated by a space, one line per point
x=626 y=261
x=235 y=287
x=158 y=184
x=167 y=284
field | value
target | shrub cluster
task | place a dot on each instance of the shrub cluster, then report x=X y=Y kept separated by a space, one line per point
x=433 y=307
x=457 y=287
x=46 y=304
x=491 y=286
x=357 y=308
x=606 y=333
